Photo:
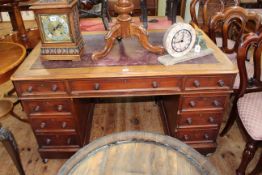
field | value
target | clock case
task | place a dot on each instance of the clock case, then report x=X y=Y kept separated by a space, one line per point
x=60 y=50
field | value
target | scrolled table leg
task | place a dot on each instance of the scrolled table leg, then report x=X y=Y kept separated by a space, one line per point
x=8 y=140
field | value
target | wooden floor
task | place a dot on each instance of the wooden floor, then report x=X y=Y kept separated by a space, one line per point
x=112 y=117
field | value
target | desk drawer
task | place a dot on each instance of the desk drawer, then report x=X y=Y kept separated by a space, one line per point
x=119 y=84
x=51 y=124
x=40 y=88
x=209 y=82
x=203 y=102
x=58 y=140
x=44 y=107
x=189 y=135
x=196 y=119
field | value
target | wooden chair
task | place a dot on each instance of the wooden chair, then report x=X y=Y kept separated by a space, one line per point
x=227 y=29
x=202 y=23
x=86 y=5
x=247 y=103
x=251 y=3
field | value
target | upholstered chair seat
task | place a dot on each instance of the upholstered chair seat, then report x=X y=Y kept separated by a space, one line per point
x=250 y=113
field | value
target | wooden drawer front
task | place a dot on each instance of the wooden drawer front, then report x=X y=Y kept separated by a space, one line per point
x=192 y=103
x=51 y=124
x=188 y=135
x=217 y=82
x=199 y=120
x=57 y=140
x=40 y=107
x=139 y=84
x=41 y=88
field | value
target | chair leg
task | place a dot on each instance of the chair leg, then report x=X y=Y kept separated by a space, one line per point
x=7 y=138
x=231 y=119
x=143 y=5
x=9 y=93
x=174 y=10
x=104 y=13
x=258 y=168
x=169 y=9
x=17 y=117
x=247 y=156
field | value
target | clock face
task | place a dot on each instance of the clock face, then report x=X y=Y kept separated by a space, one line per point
x=55 y=28
x=179 y=39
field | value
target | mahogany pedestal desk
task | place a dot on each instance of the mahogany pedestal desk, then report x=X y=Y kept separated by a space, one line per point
x=58 y=96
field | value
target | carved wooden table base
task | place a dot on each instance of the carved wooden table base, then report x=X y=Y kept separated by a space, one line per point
x=125 y=28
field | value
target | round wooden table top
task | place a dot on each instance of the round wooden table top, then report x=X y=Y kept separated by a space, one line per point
x=11 y=55
x=136 y=153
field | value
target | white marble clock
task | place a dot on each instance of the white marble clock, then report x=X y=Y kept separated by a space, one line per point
x=179 y=39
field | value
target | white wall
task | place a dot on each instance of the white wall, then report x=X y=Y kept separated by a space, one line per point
x=26 y=15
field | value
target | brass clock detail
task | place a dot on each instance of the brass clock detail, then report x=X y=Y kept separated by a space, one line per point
x=58 y=23
x=56 y=28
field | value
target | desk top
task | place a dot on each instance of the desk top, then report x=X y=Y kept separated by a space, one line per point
x=137 y=62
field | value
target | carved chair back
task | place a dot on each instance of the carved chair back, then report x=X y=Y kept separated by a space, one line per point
x=231 y=24
x=251 y=41
x=204 y=12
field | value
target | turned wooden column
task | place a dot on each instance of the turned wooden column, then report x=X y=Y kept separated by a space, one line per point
x=19 y=21
x=124 y=28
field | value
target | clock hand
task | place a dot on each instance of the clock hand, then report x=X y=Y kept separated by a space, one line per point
x=56 y=27
x=179 y=41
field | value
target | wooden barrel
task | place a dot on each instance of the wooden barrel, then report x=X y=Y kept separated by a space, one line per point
x=137 y=153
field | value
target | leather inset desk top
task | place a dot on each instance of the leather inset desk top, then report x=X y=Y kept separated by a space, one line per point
x=127 y=52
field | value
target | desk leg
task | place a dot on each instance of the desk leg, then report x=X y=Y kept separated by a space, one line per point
x=7 y=138
x=89 y=123
x=168 y=110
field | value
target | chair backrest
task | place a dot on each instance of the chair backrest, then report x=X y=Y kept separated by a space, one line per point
x=205 y=14
x=231 y=24
x=251 y=41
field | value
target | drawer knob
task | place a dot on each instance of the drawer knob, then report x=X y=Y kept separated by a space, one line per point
x=30 y=89
x=221 y=83
x=196 y=83
x=206 y=136
x=96 y=86
x=54 y=87
x=192 y=103
x=211 y=120
x=154 y=84
x=189 y=121
x=48 y=141
x=216 y=103
x=59 y=108
x=186 y=137
x=42 y=125
x=37 y=108
x=64 y=125
x=69 y=141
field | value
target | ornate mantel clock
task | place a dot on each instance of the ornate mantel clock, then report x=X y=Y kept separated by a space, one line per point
x=58 y=23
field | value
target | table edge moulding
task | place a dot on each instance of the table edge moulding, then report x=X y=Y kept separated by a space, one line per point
x=60 y=101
